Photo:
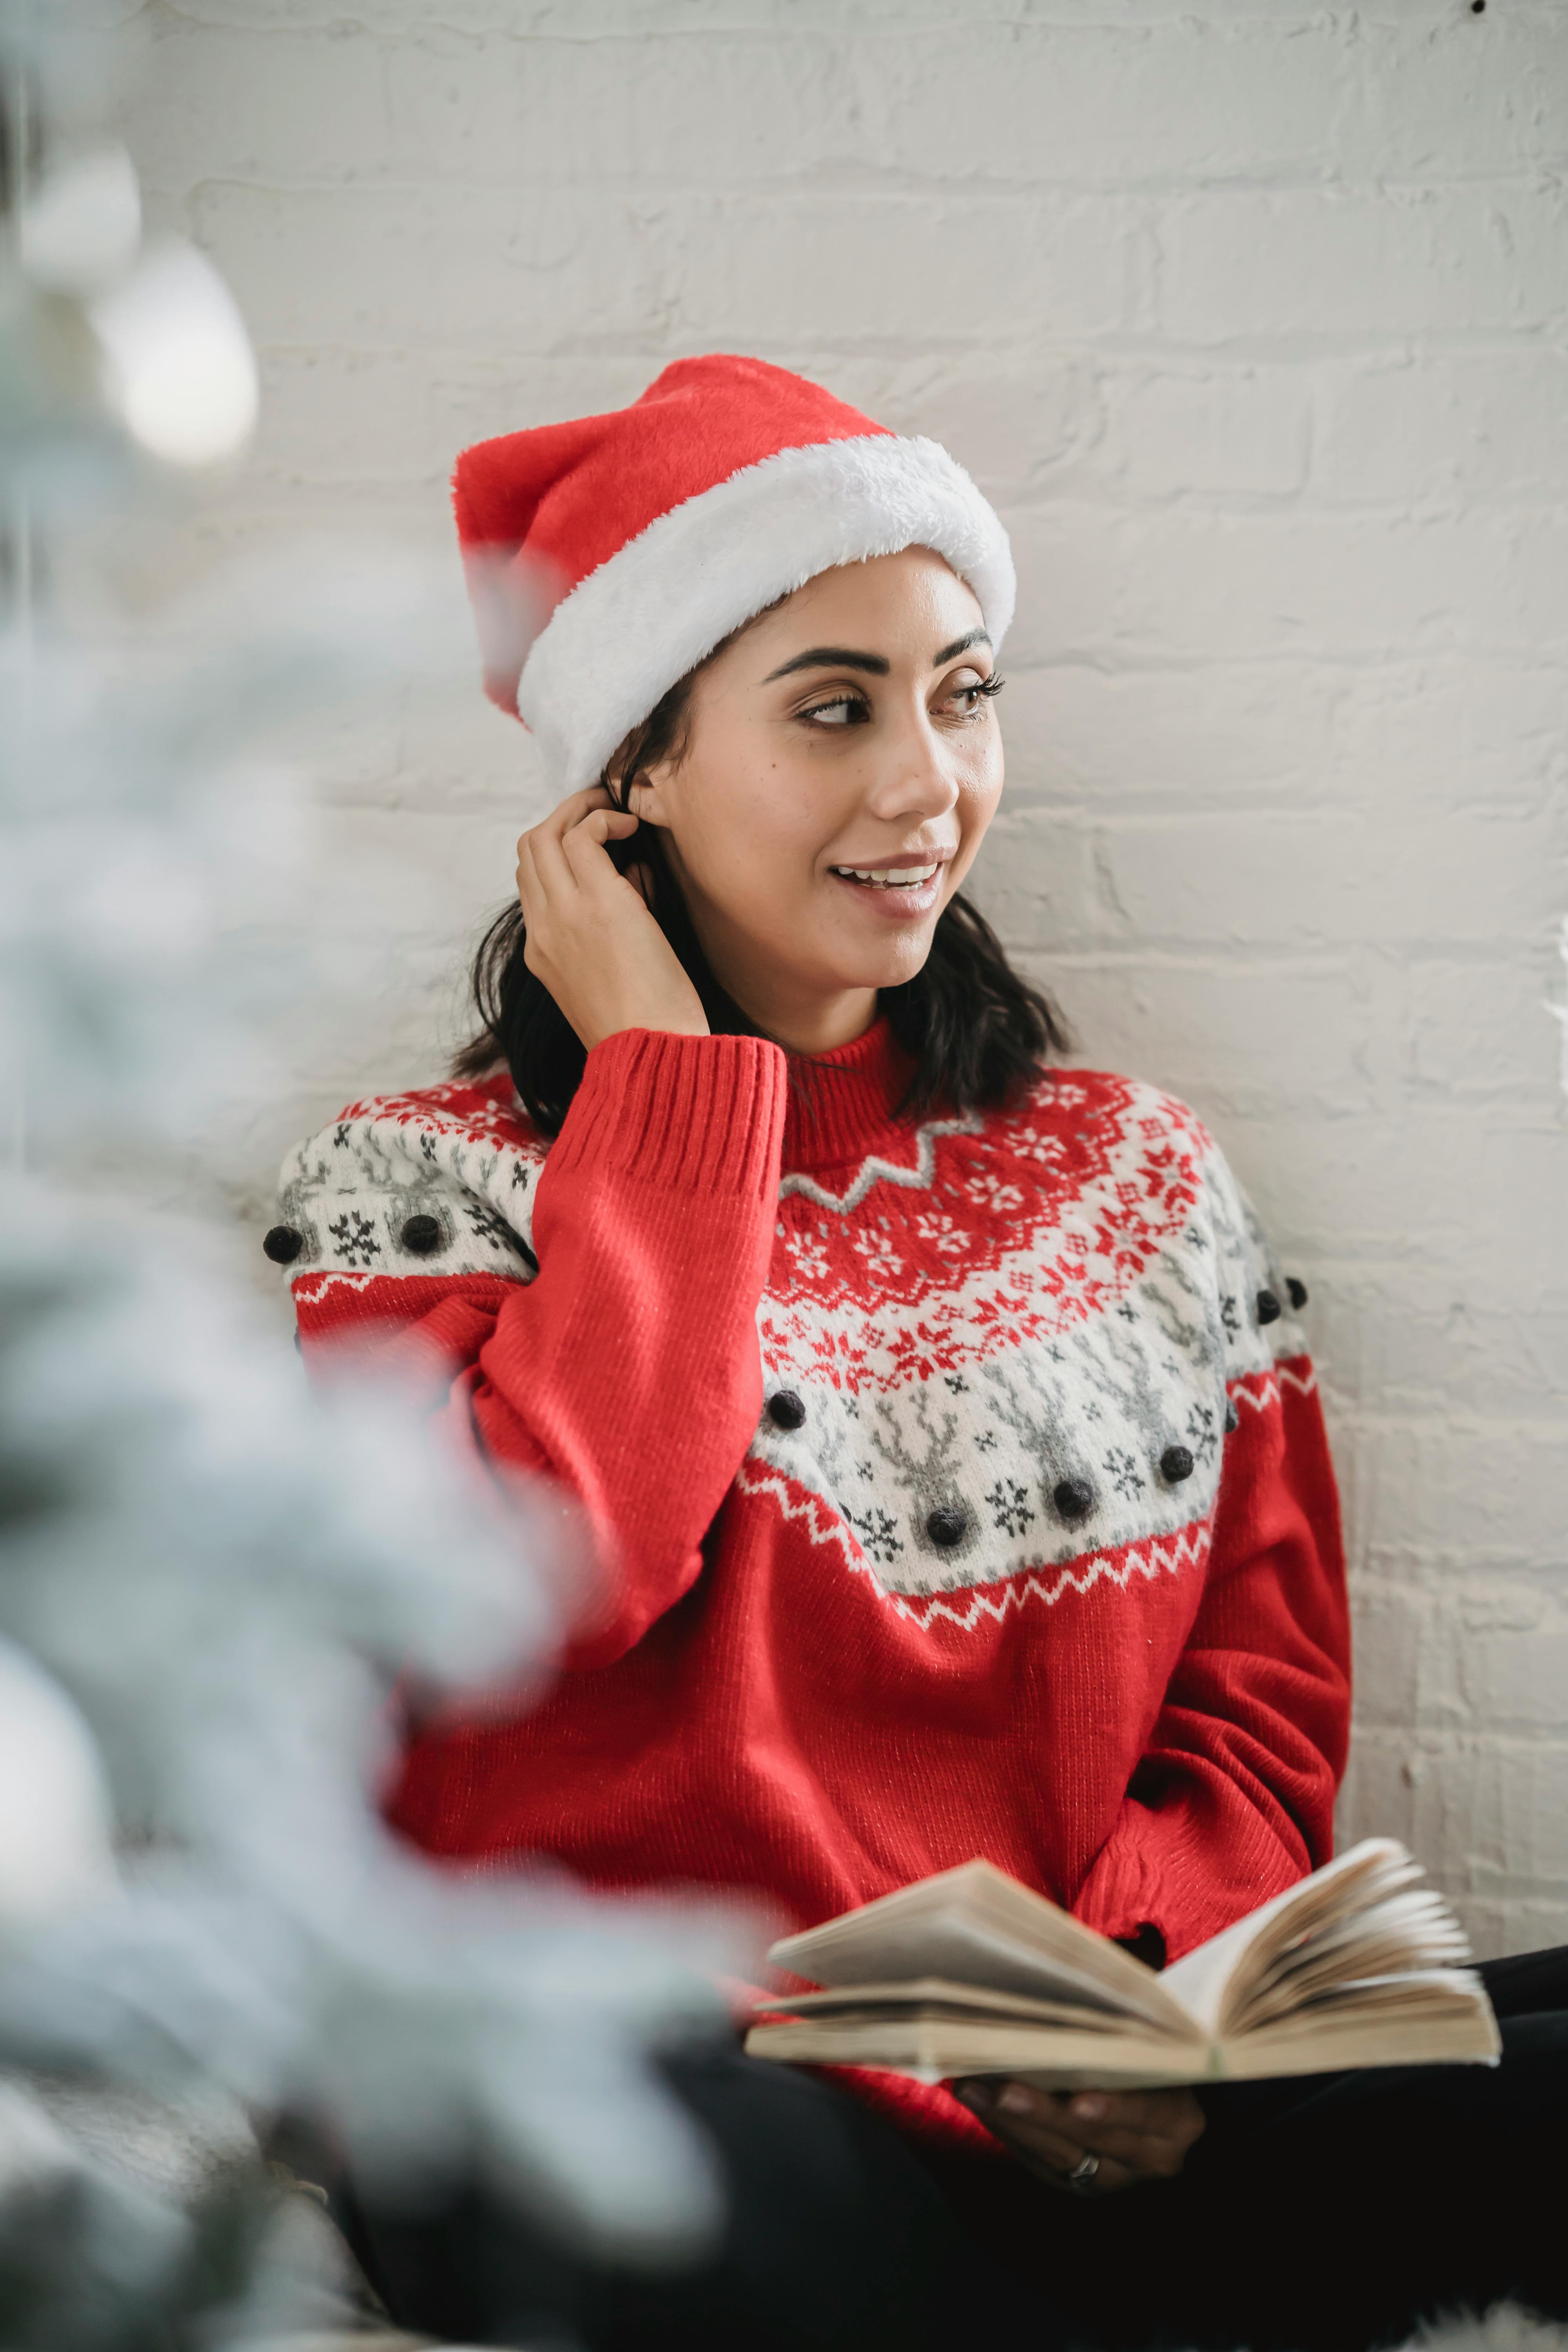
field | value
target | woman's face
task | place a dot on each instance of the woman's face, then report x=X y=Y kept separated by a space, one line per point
x=842 y=763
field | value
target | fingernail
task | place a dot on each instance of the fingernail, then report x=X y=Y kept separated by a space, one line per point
x=1088 y=2111
x=974 y=2094
x=1016 y=2101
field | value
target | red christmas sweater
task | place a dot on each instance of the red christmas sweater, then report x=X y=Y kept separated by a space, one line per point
x=962 y=1485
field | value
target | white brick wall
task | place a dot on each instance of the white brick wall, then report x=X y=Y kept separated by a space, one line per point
x=1253 y=319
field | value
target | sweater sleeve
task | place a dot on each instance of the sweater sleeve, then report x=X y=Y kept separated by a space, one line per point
x=1232 y=1798
x=629 y=1369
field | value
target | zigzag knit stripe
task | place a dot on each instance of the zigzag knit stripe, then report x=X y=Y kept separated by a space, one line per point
x=1157 y=1556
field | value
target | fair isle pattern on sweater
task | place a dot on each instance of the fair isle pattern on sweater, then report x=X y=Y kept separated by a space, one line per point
x=463 y=1155
x=955 y=1488
x=972 y=1316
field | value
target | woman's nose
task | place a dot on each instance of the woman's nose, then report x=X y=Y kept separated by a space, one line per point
x=914 y=778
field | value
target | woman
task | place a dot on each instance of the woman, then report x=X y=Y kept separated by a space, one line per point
x=944 y=1423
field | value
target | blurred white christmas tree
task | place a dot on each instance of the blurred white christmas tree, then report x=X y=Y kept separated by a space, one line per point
x=209 y=1583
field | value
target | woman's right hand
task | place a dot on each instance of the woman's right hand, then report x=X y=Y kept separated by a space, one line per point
x=591 y=939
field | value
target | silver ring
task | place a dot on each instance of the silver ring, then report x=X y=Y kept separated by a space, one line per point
x=1083 y=2172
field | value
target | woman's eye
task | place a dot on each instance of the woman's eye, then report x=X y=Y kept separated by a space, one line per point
x=844 y=710
x=971 y=699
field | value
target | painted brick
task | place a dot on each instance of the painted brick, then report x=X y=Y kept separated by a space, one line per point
x=851 y=271
x=1515 y=1674
x=1176 y=583
x=1483 y=424
x=1390 y=1621
x=1479 y=1031
x=1435 y=1192
x=1250 y=878
x=1419 y=1342
x=1265 y=265
x=311 y=110
x=1437 y=1484
x=1437 y=97
x=1471 y=729
x=1117 y=104
x=1492 y=1808
x=544 y=112
x=1202 y=431
x=539 y=271
x=1215 y=734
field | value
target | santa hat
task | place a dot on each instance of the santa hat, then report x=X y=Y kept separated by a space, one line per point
x=609 y=556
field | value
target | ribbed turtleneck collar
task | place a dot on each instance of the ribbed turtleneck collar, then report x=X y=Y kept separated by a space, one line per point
x=842 y=1105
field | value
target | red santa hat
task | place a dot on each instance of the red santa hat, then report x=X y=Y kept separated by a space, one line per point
x=609 y=556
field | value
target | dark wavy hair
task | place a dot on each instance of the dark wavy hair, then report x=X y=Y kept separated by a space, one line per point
x=976 y=1033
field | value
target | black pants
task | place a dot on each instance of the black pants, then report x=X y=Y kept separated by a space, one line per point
x=1324 y=2214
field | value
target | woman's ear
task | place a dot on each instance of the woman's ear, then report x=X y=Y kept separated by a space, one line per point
x=648 y=797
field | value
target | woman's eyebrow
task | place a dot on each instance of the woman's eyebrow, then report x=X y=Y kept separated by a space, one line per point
x=834 y=657
x=961 y=645
x=876 y=664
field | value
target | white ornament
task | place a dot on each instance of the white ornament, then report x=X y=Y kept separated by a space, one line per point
x=55 y=1848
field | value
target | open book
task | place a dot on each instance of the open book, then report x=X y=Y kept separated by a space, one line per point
x=970 y=1973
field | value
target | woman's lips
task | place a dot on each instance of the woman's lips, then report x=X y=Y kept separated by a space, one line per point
x=892 y=890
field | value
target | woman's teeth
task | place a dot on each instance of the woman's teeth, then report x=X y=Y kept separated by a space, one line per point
x=888 y=877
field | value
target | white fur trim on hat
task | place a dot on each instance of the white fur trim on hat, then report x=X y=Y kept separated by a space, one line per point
x=653 y=611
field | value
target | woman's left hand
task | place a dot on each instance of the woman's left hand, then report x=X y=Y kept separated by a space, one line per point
x=1137 y=2135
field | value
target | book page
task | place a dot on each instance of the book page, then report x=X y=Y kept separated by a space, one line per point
x=1420 y=2017
x=1214 y=1983
x=977 y=1926
x=934 y=2049
x=1409 y=1932
x=926 y=1993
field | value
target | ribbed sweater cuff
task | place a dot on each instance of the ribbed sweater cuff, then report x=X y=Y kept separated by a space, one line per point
x=682 y=1114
